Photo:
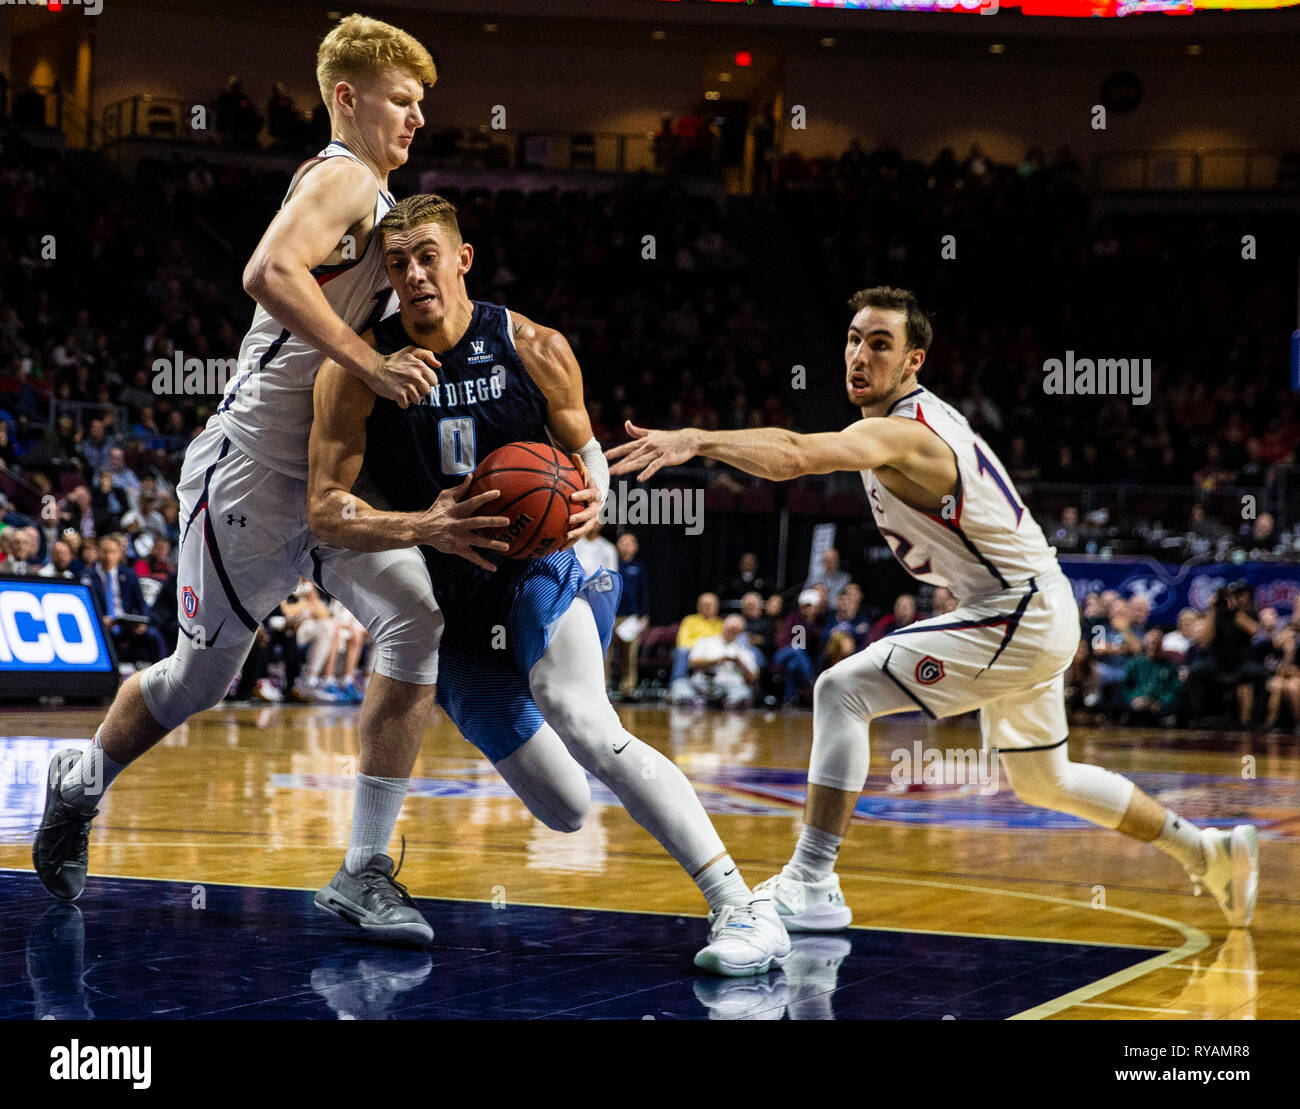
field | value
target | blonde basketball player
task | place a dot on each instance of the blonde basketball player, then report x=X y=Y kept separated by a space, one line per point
x=318 y=278
x=952 y=518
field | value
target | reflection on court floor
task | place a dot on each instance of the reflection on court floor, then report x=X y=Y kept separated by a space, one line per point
x=968 y=904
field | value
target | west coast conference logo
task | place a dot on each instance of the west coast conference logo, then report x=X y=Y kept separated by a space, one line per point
x=929 y=670
x=189 y=601
x=477 y=346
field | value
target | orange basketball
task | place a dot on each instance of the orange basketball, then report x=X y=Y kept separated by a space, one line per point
x=536 y=482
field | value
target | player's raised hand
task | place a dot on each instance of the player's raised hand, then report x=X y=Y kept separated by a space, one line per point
x=408 y=375
x=650 y=450
x=582 y=520
x=449 y=524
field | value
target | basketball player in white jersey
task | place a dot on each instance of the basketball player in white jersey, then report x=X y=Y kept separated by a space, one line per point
x=952 y=518
x=318 y=278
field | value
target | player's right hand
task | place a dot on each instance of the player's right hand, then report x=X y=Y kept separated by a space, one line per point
x=407 y=375
x=449 y=524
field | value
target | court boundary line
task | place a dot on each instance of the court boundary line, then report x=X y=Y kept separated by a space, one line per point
x=701 y=916
x=1194 y=941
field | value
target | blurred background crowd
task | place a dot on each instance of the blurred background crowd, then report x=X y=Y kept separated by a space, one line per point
x=689 y=307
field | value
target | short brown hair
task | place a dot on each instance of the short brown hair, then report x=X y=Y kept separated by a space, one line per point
x=362 y=47
x=920 y=333
x=418 y=209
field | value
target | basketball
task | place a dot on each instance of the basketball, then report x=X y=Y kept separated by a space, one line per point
x=536 y=482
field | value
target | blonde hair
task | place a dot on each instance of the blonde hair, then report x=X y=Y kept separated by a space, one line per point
x=360 y=47
x=418 y=209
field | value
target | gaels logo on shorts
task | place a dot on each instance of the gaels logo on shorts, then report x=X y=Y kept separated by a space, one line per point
x=189 y=601
x=929 y=670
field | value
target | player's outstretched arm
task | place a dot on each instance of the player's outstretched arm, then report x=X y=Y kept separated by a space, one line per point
x=554 y=368
x=773 y=452
x=336 y=515
x=328 y=201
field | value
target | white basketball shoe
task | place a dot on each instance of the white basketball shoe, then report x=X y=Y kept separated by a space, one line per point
x=744 y=940
x=1231 y=871
x=807 y=906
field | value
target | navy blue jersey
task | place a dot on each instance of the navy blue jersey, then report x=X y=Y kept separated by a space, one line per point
x=484 y=399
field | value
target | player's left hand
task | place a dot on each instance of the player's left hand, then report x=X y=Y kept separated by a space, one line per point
x=583 y=521
x=650 y=451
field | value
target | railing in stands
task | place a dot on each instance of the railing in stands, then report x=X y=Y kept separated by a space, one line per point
x=169 y=119
x=1249 y=170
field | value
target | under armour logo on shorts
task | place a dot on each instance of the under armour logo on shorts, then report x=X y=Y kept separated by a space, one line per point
x=231 y=519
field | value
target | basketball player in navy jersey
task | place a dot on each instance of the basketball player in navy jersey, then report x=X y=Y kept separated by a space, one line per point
x=318 y=279
x=536 y=705
x=952 y=518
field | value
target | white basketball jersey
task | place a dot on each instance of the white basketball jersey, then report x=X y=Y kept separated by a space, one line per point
x=267 y=409
x=984 y=542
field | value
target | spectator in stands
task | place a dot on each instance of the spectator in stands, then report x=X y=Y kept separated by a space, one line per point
x=95 y=446
x=704 y=621
x=1150 y=690
x=759 y=629
x=157 y=564
x=722 y=669
x=125 y=612
x=594 y=552
x=254 y=683
x=307 y=618
x=664 y=147
x=8 y=456
x=904 y=614
x=144 y=518
x=170 y=513
x=1226 y=634
x=124 y=478
x=76 y=511
x=851 y=629
x=109 y=504
x=1284 y=679
x=1186 y=632
x=237 y=120
x=633 y=613
x=60 y=564
x=282 y=122
x=1112 y=647
x=87 y=557
x=829 y=574
x=747 y=578
x=1139 y=613
x=798 y=643
x=352 y=638
x=18 y=550
x=1260 y=535
x=1201 y=526
x=1064 y=535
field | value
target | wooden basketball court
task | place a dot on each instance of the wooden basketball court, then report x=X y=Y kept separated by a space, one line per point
x=966 y=902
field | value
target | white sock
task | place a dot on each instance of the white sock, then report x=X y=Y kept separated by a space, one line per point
x=721 y=884
x=375 y=809
x=1182 y=839
x=814 y=855
x=89 y=777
